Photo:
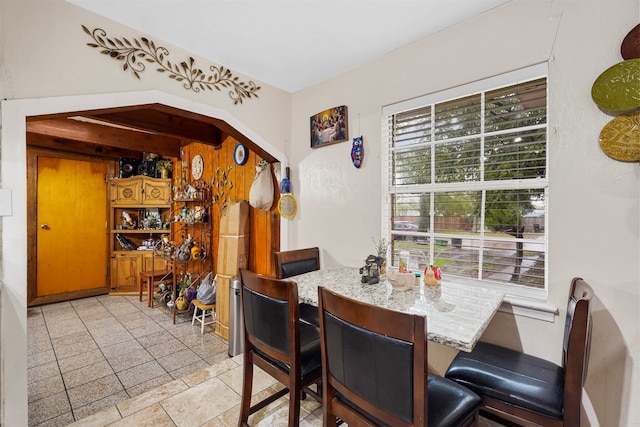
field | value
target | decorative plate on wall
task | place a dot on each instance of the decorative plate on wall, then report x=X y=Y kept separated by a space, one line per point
x=630 y=47
x=197 y=167
x=240 y=154
x=616 y=89
x=620 y=138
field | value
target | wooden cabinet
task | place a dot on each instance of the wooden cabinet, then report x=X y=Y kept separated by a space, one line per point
x=140 y=190
x=124 y=272
x=139 y=214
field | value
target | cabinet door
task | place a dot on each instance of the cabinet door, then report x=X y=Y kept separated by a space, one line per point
x=149 y=262
x=126 y=192
x=156 y=191
x=124 y=272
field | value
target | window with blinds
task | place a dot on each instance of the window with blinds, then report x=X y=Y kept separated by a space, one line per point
x=467 y=184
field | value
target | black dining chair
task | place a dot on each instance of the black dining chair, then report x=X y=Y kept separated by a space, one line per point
x=524 y=389
x=278 y=342
x=375 y=369
x=298 y=261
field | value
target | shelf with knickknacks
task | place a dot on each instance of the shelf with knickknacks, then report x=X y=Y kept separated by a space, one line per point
x=187 y=247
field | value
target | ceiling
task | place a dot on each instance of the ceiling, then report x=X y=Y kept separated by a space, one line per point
x=288 y=44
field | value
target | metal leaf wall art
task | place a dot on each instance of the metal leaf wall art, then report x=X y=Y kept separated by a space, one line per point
x=135 y=54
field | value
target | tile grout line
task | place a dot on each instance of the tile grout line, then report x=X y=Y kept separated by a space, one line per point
x=181 y=338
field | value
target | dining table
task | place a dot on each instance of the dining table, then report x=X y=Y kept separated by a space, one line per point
x=457 y=314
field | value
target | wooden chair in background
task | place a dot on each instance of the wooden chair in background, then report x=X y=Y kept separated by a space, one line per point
x=526 y=390
x=277 y=341
x=299 y=261
x=149 y=279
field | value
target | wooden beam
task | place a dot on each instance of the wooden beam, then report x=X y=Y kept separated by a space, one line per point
x=167 y=124
x=73 y=130
x=78 y=147
x=178 y=116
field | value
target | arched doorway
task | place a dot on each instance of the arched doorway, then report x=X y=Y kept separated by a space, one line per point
x=13 y=209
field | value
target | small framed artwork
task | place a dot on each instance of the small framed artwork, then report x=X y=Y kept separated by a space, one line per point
x=329 y=127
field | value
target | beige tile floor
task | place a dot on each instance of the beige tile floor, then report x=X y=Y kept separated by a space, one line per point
x=111 y=359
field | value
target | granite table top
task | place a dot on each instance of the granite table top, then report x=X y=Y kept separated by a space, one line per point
x=457 y=315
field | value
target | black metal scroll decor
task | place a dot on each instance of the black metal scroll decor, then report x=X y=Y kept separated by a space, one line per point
x=135 y=54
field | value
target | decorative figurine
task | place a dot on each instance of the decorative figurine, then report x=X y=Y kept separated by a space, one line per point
x=432 y=276
x=371 y=271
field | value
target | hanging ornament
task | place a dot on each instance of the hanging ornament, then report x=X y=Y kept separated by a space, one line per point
x=357 y=151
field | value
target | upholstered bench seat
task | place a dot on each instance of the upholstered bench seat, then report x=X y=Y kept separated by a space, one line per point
x=516 y=378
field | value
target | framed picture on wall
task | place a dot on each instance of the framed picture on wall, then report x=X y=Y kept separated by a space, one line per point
x=329 y=127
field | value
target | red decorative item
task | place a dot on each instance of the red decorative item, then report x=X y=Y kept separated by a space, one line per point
x=432 y=276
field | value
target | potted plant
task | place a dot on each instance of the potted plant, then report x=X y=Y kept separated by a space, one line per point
x=164 y=166
x=381 y=249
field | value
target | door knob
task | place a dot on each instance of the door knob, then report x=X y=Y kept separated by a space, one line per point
x=45 y=227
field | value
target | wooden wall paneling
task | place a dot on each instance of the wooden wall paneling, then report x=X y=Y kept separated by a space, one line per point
x=265 y=226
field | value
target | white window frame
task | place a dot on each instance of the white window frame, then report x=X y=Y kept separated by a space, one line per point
x=519 y=299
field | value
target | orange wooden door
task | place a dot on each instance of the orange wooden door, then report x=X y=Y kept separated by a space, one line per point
x=71 y=227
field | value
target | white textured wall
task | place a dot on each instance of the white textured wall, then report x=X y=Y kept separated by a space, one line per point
x=594 y=215
x=46 y=67
x=594 y=201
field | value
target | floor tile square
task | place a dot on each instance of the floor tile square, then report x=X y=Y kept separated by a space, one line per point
x=153 y=416
x=138 y=389
x=41 y=389
x=87 y=374
x=99 y=405
x=95 y=390
x=189 y=369
x=152 y=339
x=41 y=372
x=71 y=339
x=41 y=358
x=151 y=397
x=194 y=415
x=115 y=338
x=169 y=346
x=99 y=419
x=96 y=323
x=176 y=360
x=71 y=350
x=141 y=373
x=122 y=361
x=50 y=407
x=80 y=360
x=120 y=348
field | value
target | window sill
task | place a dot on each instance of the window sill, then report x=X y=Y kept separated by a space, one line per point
x=528 y=308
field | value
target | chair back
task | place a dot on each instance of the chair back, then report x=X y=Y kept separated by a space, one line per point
x=374 y=359
x=297 y=261
x=270 y=309
x=577 y=343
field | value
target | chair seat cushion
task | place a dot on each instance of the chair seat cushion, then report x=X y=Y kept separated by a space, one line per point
x=309 y=313
x=510 y=376
x=310 y=354
x=449 y=404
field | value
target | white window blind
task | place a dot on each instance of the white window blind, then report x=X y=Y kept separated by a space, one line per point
x=467 y=180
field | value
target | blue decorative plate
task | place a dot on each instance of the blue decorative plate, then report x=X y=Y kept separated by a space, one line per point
x=240 y=154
